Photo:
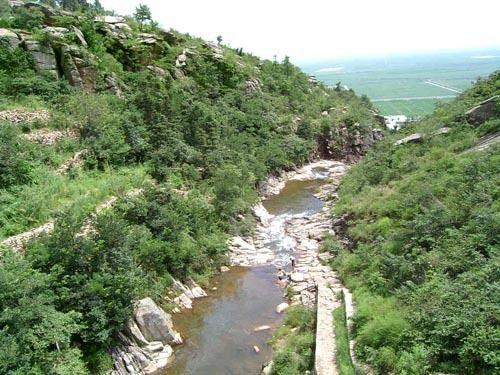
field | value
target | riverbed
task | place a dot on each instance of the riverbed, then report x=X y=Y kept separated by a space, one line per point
x=219 y=332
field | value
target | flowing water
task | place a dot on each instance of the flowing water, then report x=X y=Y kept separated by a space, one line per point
x=219 y=330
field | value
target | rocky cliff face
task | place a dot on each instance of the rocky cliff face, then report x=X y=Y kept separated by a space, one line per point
x=345 y=144
x=62 y=51
x=147 y=342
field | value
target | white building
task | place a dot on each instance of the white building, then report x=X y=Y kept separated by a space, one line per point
x=395 y=121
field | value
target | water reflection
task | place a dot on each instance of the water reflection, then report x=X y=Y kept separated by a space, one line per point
x=219 y=330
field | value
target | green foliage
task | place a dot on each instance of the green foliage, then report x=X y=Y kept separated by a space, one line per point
x=17 y=157
x=343 y=358
x=142 y=14
x=35 y=336
x=92 y=274
x=424 y=228
x=100 y=122
x=28 y=19
x=207 y=132
x=294 y=349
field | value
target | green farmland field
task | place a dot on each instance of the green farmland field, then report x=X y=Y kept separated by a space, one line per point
x=400 y=84
x=413 y=108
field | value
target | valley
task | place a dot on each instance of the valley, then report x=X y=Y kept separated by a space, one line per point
x=172 y=205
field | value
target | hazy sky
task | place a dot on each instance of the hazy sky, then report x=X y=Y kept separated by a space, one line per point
x=322 y=29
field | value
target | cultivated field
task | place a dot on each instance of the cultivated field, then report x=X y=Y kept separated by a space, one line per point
x=410 y=85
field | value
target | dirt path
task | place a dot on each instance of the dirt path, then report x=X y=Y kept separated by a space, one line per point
x=19 y=241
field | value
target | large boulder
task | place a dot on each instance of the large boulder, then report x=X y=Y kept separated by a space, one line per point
x=11 y=37
x=154 y=323
x=483 y=111
x=79 y=36
x=110 y=19
x=412 y=138
x=56 y=32
x=79 y=68
x=43 y=56
x=50 y=14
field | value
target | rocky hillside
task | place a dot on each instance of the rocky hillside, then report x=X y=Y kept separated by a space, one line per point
x=128 y=155
x=420 y=223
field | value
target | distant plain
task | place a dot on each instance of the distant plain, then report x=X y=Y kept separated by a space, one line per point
x=408 y=84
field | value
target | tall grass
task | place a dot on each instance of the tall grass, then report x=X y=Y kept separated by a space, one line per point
x=28 y=206
x=294 y=342
x=343 y=358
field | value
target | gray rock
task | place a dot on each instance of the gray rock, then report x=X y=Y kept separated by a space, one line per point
x=16 y=3
x=267 y=369
x=79 y=36
x=11 y=37
x=413 y=138
x=44 y=57
x=297 y=277
x=155 y=346
x=110 y=19
x=196 y=290
x=79 y=68
x=56 y=32
x=148 y=38
x=253 y=85
x=134 y=332
x=161 y=362
x=377 y=134
x=440 y=131
x=154 y=323
x=282 y=307
x=112 y=85
x=157 y=70
x=483 y=111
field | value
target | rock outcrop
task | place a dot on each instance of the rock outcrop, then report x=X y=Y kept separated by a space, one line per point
x=154 y=323
x=49 y=136
x=11 y=37
x=21 y=116
x=146 y=342
x=412 y=138
x=253 y=85
x=79 y=68
x=44 y=57
x=483 y=111
x=347 y=143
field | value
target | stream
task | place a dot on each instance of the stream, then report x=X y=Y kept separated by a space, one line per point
x=219 y=330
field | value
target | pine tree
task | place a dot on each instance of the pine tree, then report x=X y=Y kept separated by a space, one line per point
x=142 y=14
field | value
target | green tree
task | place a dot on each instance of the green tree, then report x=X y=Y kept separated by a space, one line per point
x=35 y=337
x=142 y=14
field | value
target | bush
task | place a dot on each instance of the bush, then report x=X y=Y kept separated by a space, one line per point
x=35 y=336
x=100 y=122
x=296 y=354
x=17 y=161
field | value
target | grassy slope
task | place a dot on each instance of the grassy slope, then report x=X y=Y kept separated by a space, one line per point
x=198 y=133
x=424 y=221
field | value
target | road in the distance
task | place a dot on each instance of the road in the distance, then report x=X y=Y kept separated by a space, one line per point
x=413 y=98
x=429 y=82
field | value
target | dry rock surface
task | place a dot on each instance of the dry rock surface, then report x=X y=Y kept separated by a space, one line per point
x=147 y=342
x=49 y=137
x=312 y=282
x=20 y=116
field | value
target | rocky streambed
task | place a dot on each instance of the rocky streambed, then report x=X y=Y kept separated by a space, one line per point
x=227 y=333
x=225 y=328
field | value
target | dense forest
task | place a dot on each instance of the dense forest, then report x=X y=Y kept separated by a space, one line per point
x=95 y=106
x=421 y=249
